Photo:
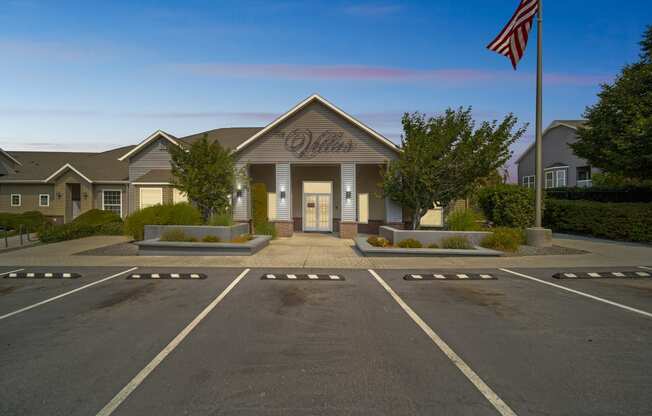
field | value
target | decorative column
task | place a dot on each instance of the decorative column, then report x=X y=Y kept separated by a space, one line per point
x=348 y=222
x=284 y=222
x=241 y=200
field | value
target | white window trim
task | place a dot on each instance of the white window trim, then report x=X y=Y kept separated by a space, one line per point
x=20 y=200
x=112 y=190
x=557 y=181
x=545 y=182
x=39 y=200
x=525 y=181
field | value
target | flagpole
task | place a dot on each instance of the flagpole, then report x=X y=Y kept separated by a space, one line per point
x=539 y=160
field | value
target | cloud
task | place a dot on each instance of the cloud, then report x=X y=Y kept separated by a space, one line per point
x=456 y=76
x=371 y=10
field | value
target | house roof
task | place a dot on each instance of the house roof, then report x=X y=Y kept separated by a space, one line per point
x=571 y=124
x=156 y=176
x=152 y=137
x=229 y=138
x=96 y=167
x=320 y=99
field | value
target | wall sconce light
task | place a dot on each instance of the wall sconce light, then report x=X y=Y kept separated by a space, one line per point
x=282 y=193
x=85 y=195
x=347 y=194
x=59 y=195
x=238 y=193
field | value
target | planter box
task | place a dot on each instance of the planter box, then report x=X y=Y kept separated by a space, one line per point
x=370 y=251
x=427 y=237
x=225 y=233
x=155 y=247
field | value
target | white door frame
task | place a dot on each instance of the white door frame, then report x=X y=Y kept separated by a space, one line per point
x=303 y=207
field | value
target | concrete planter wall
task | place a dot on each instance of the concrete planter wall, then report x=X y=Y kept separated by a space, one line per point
x=154 y=247
x=427 y=237
x=225 y=233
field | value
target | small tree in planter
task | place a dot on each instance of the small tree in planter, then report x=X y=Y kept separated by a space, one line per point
x=444 y=157
x=205 y=171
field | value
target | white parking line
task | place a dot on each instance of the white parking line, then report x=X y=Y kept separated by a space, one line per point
x=65 y=294
x=142 y=375
x=471 y=375
x=577 y=292
x=11 y=271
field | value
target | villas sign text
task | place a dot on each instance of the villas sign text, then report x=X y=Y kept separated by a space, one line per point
x=305 y=145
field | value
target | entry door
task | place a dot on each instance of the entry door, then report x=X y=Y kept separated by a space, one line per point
x=317 y=203
x=317 y=212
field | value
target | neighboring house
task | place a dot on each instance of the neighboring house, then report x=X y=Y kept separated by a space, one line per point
x=321 y=167
x=561 y=167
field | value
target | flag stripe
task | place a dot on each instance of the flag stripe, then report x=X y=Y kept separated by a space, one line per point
x=512 y=40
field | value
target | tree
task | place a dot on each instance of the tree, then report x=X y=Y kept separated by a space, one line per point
x=618 y=135
x=205 y=172
x=444 y=157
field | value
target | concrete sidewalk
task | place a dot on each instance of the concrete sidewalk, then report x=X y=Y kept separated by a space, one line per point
x=316 y=250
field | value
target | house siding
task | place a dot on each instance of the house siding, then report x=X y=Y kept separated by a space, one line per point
x=556 y=149
x=270 y=148
x=30 y=199
x=153 y=156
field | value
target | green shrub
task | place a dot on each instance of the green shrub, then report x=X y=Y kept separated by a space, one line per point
x=224 y=219
x=168 y=214
x=433 y=245
x=93 y=222
x=504 y=239
x=409 y=243
x=210 y=239
x=258 y=203
x=508 y=205
x=456 y=242
x=265 y=228
x=377 y=241
x=616 y=221
x=32 y=220
x=463 y=220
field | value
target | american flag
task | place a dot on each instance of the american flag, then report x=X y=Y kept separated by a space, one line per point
x=512 y=40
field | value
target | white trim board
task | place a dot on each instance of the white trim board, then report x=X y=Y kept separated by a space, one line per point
x=304 y=103
x=157 y=134
x=63 y=168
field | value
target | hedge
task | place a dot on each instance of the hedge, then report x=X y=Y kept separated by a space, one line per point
x=93 y=222
x=31 y=220
x=508 y=205
x=616 y=221
x=168 y=214
x=603 y=194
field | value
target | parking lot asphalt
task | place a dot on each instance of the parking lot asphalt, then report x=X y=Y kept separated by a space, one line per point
x=279 y=347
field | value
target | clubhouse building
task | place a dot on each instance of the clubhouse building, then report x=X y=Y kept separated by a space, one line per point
x=321 y=168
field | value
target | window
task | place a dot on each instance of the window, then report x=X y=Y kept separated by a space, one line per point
x=178 y=196
x=584 y=173
x=112 y=201
x=16 y=200
x=44 y=200
x=150 y=197
x=528 y=181
x=363 y=208
x=560 y=176
x=550 y=179
x=556 y=177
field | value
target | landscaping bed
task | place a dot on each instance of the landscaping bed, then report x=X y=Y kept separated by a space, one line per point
x=156 y=247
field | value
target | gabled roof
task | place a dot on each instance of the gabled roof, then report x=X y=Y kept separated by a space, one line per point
x=10 y=157
x=229 y=137
x=97 y=167
x=63 y=169
x=304 y=103
x=154 y=136
x=571 y=124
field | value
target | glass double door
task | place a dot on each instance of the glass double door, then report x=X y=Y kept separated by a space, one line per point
x=317 y=206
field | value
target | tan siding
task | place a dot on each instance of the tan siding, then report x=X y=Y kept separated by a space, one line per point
x=151 y=157
x=30 y=198
x=64 y=204
x=318 y=118
x=368 y=179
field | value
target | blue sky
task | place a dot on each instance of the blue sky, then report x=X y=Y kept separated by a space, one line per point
x=94 y=75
